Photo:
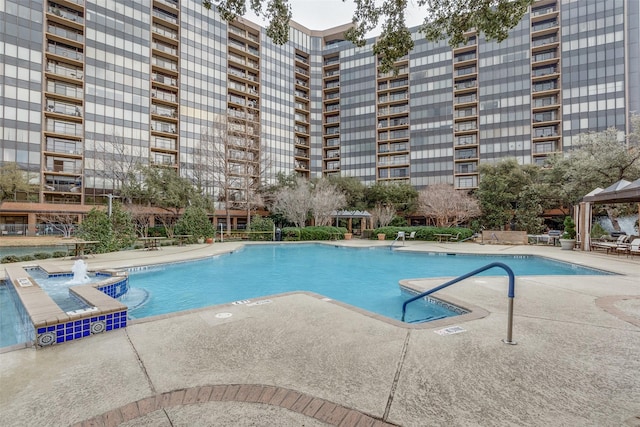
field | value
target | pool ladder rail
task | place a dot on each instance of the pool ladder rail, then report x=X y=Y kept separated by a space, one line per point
x=511 y=295
x=401 y=235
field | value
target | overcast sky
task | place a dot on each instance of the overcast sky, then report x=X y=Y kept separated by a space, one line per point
x=323 y=14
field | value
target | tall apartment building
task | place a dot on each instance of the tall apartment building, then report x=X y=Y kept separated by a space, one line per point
x=91 y=88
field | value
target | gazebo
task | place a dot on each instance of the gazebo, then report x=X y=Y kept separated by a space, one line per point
x=350 y=215
x=622 y=191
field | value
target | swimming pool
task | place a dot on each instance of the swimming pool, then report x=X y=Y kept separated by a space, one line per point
x=365 y=278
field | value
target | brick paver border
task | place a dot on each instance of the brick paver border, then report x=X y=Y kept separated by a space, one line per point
x=320 y=409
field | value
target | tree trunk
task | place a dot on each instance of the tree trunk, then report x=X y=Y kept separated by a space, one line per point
x=613 y=218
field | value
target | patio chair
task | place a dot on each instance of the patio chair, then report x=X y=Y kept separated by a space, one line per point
x=454 y=238
x=412 y=235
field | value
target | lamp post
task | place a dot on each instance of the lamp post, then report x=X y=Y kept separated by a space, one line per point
x=111 y=197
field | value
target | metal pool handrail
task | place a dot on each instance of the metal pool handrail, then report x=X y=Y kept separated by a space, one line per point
x=512 y=284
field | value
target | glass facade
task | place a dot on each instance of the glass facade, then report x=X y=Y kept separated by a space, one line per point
x=91 y=89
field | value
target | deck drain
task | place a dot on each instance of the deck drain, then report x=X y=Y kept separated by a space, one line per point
x=450 y=330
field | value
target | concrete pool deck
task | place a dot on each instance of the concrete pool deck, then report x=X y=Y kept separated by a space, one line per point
x=302 y=360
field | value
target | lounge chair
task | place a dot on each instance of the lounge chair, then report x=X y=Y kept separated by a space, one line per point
x=454 y=238
x=610 y=246
x=412 y=235
x=634 y=248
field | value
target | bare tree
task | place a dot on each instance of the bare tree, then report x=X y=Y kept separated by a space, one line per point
x=294 y=203
x=62 y=223
x=204 y=164
x=120 y=158
x=383 y=213
x=230 y=161
x=141 y=219
x=325 y=199
x=449 y=207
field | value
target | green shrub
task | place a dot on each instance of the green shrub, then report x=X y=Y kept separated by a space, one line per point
x=597 y=231
x=263 y=225
x=158 y=231
x=59 y=254
x=42 y=255
x=194 y=221
x=28 y=257
x=9 y=258
x=398 y=221
x=313 y=233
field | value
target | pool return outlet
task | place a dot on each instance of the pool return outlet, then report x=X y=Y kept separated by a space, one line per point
x=512 y=285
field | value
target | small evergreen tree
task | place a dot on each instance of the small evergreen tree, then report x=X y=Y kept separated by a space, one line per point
x=265 y=225
x=114 y=233
x=124 y=234
x=195 y=222
x=569 y=228
x=96 y=226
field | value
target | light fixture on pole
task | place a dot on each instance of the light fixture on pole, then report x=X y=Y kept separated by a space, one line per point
x=111 y=197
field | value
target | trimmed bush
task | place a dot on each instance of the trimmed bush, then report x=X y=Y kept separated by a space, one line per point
x=263 y=225
x=59 y=254
x=313 y=233
x=42 y=255
x=9 y=258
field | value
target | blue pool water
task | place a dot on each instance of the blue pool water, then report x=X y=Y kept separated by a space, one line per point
x=57 y=287
x=366 y=278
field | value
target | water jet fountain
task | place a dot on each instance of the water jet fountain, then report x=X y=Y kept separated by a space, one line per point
x=79 y=270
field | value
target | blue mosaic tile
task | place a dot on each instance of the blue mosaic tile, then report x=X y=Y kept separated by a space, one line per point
x=51 y=328
x=77 y=336
x=59 y=340
x=60 y=326
x=77 y=322
x=101 y=317
x=86 y=333
x=94 y=319
x=68 y=337
x=42 y=330
x=60 y=333
x=109 y=327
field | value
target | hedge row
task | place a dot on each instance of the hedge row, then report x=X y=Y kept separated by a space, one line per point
x=31 y=257
x=313 y=233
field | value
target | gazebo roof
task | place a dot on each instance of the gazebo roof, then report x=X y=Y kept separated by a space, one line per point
x=351 y=214
x=622 y=191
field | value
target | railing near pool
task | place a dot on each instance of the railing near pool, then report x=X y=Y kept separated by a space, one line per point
x=512 y=283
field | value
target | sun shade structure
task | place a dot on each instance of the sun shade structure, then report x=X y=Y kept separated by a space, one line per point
x=622 y=191
x=350 y=215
